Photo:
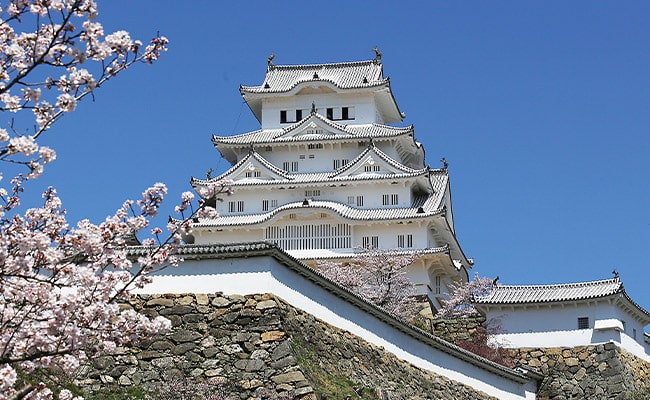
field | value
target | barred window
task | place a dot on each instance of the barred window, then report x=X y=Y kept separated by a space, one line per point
x=583 y=323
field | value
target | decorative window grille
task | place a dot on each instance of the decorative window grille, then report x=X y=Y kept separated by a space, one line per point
x=265 y=205
x=311 y=156
x=269 y=148
x=438 y=285
x=390 y=199
x=292 y=216
x=290 y=166
x=583 y=322
x=310 y=236
x=359 y=201
x=340 y=163
x=250 y=174
x=312 y=146
x=236 y=206
x=302 y=156
x=274 y=203
x=351 y=199
x=371 y=242
x=408 y=243
x=312 y=193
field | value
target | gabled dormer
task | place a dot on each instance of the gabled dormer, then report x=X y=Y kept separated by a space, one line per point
x=250 y=169
x=313 y=126
x=373 y=161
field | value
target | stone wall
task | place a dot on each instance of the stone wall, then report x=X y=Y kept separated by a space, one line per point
x=456 y=330
x=259 y=346
x=603 y=371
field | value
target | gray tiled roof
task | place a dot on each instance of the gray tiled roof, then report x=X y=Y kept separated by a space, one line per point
x=438 y=178
x=347 y=75
x=344 y=210
x=399 y=252
x=282 y=135
x=563 y=292
x=505 y=294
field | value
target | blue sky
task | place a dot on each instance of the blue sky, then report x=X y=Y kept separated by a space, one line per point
x=540 y=107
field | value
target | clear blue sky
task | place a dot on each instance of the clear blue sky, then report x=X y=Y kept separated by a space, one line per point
x=542 y=109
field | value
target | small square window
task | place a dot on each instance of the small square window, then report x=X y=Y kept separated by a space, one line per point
x=583 y=323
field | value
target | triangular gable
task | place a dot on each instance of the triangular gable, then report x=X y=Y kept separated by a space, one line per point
x=373 y=161
x=314 y=125
x=254 y=167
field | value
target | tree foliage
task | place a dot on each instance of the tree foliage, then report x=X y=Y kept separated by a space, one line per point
x=60 y=284
x=379 y=276
x=461 y=296
x=482 y=342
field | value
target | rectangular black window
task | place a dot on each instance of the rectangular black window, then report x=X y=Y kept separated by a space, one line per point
x=583 y=323
x=298 y=115
x=283 y=116
x=330 y=113
x=344 y=113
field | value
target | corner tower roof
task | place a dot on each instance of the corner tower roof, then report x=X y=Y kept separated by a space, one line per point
x=565 y=292
x=364 y=76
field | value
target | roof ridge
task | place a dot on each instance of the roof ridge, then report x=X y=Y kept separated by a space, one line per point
x=560 y=285
x=340 y=64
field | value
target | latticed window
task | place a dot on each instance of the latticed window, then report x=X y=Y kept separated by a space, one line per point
x=371 y=242
x=310 y=236
x=401 y=242
x=340 y=163
x=236 y=206
x=390 y=199
x=583 y=323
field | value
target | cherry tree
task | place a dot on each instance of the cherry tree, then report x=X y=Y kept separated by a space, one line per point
x=461 y=297
x=378 y=276
x=60 y=285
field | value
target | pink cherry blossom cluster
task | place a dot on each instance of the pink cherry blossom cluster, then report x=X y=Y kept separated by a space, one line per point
x=378 y=276
x=61 y=285
x=461 y=298
x=62 y=43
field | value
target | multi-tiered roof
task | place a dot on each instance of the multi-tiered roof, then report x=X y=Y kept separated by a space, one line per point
x=326 y=174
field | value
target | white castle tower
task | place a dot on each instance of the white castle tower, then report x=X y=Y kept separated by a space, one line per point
x=326 y=175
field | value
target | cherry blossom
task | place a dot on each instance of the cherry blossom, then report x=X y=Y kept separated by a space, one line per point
x=378 y=276
x=461 y=297
x=61 y=285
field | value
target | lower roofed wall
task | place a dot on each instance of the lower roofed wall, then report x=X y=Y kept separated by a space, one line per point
x=267 y=275
x=260 y=346
x=603 y=371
